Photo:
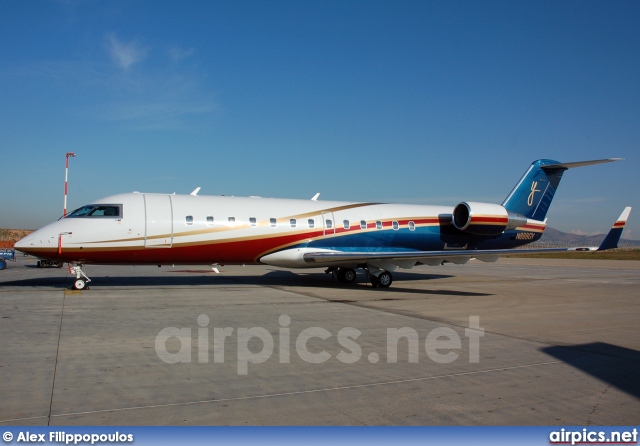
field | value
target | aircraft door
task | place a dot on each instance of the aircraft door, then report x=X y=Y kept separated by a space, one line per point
x=158 y=210
x=328 y=223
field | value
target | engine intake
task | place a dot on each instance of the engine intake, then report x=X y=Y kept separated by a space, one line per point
x=485 y=218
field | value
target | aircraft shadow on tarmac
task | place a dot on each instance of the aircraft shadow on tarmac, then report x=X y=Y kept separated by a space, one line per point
x=617 y=366
x=273 y=278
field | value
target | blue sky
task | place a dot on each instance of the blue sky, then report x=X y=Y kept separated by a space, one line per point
x=393 y=101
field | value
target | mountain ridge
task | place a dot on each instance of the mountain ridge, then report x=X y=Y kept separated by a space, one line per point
x=555 y=237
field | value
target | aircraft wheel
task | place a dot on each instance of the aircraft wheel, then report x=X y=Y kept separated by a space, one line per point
x=346 y=275
x=385 y=279
x=39 y=264
x=3 y=264
x=79 y=284
x=374 y=281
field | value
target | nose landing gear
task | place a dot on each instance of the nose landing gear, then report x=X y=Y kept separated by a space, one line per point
x=81 y=277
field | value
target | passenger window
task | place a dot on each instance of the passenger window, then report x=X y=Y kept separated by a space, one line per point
x=329 y=224
x=363 y=224
x=232 y=221
x=311 y=223
x=209 y=220
x=396 y=226
x=412 y=226
x=252 y=221
x=273 y=222
x=345 y=224
x=189 y=220
x=378 y=224
x=292 y=222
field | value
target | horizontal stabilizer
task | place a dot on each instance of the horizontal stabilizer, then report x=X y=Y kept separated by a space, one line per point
x=579 y=163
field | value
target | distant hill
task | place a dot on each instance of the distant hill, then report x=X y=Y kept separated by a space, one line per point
x=554 y=237
x=9 y=236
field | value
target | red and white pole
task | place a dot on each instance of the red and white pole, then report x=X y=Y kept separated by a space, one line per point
x=66 y=180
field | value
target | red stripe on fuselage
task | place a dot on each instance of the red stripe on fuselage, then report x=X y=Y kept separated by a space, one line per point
x=229 y=252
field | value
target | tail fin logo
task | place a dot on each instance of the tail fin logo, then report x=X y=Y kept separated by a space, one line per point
x=534 y=185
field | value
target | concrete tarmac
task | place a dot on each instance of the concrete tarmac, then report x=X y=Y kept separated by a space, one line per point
x=560 y=345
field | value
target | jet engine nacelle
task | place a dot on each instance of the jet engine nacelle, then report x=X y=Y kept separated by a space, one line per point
x=485 y=218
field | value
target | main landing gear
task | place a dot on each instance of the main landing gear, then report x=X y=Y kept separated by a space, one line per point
x=81 y=277
x=348 y=275
x=344 y=275
x=384 y=280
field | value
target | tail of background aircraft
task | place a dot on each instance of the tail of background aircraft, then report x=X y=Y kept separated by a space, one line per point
x=533 y=194
x=613 y=237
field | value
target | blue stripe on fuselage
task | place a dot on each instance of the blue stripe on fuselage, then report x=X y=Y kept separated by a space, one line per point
x=429 y=238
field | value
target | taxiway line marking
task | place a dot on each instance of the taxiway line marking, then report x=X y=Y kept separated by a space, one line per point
x=303 y=392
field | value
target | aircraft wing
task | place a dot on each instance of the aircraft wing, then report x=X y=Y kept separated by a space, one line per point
x=408 y=259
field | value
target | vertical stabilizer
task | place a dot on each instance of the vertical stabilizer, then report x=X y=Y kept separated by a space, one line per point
x=534 y=192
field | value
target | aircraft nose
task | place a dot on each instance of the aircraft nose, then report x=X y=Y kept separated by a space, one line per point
x=34 y=242
x=23 y=244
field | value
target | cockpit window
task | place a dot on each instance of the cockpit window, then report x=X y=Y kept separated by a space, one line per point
x=98 y=210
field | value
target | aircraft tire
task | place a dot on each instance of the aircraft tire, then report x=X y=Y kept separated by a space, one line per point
x=79 y=284
x=346 y=275
x=385 y=279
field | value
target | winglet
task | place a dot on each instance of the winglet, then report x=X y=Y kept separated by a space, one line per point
x=315 y=197
x=613 y=237
x=195 y=191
